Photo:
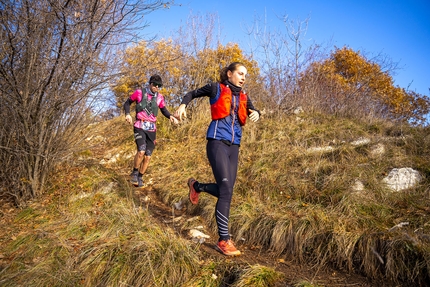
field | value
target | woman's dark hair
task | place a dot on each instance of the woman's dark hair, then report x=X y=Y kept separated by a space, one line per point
x=232 y=67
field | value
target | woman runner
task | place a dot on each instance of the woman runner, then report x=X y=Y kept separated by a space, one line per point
x=230 y=107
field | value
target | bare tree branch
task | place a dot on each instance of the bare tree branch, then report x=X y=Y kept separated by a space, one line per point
x=56 y=57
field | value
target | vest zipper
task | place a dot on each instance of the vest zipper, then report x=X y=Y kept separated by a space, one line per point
x=233 y=117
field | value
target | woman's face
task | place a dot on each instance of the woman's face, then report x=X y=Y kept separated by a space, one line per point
x=237 y=77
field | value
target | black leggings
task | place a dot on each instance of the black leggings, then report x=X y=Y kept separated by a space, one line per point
x=223 y=159
x=145 y=140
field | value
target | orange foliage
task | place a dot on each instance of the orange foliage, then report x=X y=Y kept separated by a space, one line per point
x=352 y=75
x=180 y=70
x=214 y=60
x=142 y=61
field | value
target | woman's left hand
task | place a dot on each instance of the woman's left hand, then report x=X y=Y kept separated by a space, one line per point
x=181 y=112
x=253 y=115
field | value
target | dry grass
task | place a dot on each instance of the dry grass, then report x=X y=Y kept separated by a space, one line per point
x=291 y=198
x=96 y=238
x=296 y=199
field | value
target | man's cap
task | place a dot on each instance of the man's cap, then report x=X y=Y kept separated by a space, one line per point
x=156 y=79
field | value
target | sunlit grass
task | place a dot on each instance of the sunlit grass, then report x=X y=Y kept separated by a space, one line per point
x=100 y=239
x=258 y=276
x=300 y=202
x=289 y=200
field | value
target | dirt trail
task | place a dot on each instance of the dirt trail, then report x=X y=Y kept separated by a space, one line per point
x=172 y=218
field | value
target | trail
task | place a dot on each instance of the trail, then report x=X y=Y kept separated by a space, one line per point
x=252 y=255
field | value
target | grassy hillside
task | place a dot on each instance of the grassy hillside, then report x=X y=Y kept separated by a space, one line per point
x=295 y=201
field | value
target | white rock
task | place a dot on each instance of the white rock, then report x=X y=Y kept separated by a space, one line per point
x=320 y=149
x=198 y=234
x=402 y=178
x=178 y=205
x=360 y=142
x=377 y=150
x=298 y=110
x=358 y=186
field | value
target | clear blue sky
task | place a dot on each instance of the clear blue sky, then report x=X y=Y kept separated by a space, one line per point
x=398 y=29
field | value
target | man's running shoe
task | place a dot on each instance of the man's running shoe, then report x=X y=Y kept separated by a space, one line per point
x=139 y=181
x=226 y=247
x=133 y=178
x=194 y=195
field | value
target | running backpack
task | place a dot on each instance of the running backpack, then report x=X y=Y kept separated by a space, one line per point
x=151 y=108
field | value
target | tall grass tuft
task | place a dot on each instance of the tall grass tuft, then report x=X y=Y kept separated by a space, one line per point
x=258 y=276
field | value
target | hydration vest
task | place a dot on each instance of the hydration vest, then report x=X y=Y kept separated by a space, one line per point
x=221 y=105
x=150 y=107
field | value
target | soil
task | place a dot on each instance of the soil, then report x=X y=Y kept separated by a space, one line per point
x=293 y=273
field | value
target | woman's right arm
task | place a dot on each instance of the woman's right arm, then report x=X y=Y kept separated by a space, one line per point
x=208 y=90
x=205 y=91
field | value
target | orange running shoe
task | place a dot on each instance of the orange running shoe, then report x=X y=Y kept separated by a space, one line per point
x=226 y=247
x=194 y=195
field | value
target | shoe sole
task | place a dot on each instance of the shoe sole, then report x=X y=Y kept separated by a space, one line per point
x=222 y=252
x=136 y=184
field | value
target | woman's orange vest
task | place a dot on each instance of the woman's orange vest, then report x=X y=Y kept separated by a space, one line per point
x=221 y=108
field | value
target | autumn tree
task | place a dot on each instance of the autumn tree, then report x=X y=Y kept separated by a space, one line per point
x=181 y=72
x=184 y=63
x=163 y=57
x=56 y=60
x=348 y=83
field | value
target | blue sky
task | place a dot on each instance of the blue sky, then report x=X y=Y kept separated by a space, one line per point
x=398 y=29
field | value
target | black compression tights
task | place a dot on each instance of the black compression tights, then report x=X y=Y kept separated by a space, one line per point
x=223 y=160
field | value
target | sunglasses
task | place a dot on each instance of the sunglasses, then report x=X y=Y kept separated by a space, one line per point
x=157 y=85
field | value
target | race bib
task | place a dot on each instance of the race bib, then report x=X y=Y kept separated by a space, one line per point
x=147 y=126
